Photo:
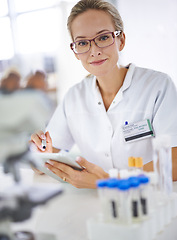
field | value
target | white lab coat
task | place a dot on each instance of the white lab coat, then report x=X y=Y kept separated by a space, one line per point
x=82 y=119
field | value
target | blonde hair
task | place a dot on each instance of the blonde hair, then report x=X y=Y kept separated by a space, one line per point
x=84 y=5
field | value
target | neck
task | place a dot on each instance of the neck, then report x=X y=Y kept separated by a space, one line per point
x=110 y=84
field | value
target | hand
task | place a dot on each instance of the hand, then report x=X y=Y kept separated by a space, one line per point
x=36 y=142
x=36 y=139
x=37 y=171
x=81 y=179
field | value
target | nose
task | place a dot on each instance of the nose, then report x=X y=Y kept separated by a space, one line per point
x=94 y=49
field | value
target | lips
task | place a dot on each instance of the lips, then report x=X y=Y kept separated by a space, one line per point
x=97 y=63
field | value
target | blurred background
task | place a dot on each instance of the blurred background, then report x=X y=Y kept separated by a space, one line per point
x=34 y=42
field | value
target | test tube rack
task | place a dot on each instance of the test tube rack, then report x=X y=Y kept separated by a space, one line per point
x=157 y=226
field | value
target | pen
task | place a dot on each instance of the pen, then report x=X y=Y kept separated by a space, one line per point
x=44 y=143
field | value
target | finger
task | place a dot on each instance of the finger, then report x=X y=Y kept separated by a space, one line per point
x=41 y=134
x=57 y=171
x=35 y=138
x=37 y=135
x=92 y=168
x=85 y=164
x=63 y=167
x=37 y=171
x=48 y=138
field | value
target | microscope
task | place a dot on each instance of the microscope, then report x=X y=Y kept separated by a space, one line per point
x=21 y=113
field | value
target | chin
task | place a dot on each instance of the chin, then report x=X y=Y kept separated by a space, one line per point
x=98 y=72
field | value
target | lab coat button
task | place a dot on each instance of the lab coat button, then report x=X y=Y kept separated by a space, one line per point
x=107 y=154
x=99 y=103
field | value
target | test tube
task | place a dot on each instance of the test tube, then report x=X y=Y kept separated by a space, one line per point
x=135 y=199
x=144 y=194
x=131 y=163
x=113 y=173
x=153 y=202
x=113 y=202
x=139 y=164
x=124 y=174
x=124 y=199
x=101 y=186
x=162 y=162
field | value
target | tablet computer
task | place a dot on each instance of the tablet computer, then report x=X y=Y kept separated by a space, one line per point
x=63 y=157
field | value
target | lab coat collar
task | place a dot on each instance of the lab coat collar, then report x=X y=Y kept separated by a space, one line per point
x=126 y=83
x=96 y=91
x=128 y=77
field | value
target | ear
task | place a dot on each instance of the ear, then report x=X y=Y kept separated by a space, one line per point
x=122 y=41
x=76 y=55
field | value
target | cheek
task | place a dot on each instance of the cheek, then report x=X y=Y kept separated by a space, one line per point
x=84 y=61
x=113 y=52
x=81 y=57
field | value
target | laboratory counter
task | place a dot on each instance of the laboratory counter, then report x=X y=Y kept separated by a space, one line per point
x=66 y=215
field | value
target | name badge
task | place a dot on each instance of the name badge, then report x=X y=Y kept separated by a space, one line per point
x=137 y=130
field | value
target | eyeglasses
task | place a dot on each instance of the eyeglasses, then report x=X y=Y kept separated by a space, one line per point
x=101 y=41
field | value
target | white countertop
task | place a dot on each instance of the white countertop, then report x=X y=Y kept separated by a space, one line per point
x=66 y=215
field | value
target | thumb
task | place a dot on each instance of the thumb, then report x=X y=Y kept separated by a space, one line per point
x=49 y=142
x=48 y=138
x=85 y=164
x=92 y=168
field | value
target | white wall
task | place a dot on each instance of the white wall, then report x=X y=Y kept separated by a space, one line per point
x=151 y=31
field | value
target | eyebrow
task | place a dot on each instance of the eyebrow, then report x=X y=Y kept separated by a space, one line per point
x=104 y=30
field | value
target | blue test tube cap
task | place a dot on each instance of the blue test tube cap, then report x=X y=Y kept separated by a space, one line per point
x=102 y=183
x=124 y=185
x=134 y=182
x=143 y=179
x=112 y=183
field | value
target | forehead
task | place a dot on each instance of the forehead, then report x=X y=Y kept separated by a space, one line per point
x=89 y=23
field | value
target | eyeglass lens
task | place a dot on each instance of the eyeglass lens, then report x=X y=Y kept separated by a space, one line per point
x=103 y=40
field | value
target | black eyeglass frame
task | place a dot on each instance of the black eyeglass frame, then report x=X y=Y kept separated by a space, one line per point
x=114 y=34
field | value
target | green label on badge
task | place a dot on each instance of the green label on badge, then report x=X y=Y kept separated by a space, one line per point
x=150 y=127
x=137 y=130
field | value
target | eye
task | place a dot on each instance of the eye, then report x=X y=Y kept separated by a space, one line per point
x=82 y=43
x=104 y=37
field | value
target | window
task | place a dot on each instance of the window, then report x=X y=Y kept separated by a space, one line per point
x=3 y=8
x=34 y=37
x=39 y=31
x=6 y=43
x=29 y=26
x=26 y=5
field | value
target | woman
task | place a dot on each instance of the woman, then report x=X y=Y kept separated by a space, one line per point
x=96 y=113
